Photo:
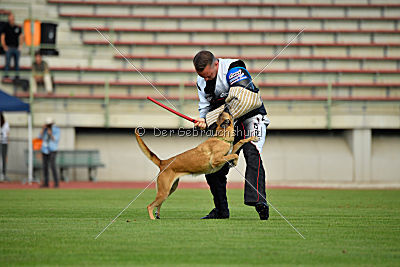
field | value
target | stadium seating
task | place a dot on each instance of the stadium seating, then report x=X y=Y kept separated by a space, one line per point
x=341 y=73
x=351 y=47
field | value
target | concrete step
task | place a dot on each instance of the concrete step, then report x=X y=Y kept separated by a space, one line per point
x=133 y=113
x=243 y=23
x=250 y=37
x=240 y=10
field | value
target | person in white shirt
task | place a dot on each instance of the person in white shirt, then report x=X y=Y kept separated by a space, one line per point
x=5 y=130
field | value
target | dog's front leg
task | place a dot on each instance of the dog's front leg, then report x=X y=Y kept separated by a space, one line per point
x=239 y=144
x=234 y=162
x=218 y=161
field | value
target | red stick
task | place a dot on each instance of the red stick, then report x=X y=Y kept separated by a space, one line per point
x=171 y=110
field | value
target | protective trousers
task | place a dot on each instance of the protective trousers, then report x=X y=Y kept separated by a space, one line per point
x=254 y=189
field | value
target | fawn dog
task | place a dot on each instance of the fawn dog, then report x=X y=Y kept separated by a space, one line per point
x=208 y=157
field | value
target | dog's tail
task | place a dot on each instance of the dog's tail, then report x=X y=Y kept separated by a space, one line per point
x=153 y=157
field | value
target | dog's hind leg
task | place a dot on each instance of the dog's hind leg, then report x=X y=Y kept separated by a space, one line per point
x=156 y=203
x=164 y=183
x=158 y=211
x=174 y=186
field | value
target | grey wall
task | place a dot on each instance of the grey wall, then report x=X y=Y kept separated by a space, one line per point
x=290 y=157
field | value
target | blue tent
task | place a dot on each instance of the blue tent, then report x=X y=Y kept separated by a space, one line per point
x=13 y=104
x=10 y=103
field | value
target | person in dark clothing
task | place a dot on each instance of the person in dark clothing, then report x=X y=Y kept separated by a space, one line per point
x=11 y=41
x=5 y=132
x=223 y=81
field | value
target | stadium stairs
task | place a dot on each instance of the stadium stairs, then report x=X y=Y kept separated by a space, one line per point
x=342 y=72
x=348 y=50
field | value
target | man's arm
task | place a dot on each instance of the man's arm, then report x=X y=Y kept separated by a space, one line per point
x=42 y=132
x=56 y=134
x=204 y=106
x=21 y=40
x=243 y=96
x=53 y=134
x=34 y=72
x=46 y=68
x=240 y=100
x=3 y=42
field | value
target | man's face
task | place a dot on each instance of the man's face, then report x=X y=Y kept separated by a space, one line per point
x=210 y=71
x=11 y=18
x=38 y=59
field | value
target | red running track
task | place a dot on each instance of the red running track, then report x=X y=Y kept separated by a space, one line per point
x=188 y=185
x=110 y=185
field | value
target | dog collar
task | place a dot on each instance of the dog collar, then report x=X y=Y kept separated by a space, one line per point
x=220 y=138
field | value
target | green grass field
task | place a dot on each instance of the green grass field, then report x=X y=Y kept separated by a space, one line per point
x=58 y=227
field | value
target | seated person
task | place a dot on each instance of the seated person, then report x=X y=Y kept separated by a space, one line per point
x=41 y=74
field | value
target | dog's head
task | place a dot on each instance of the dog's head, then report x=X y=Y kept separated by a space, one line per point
x=225 y=124
x=225 y=119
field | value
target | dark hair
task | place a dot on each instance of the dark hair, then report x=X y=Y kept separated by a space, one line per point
x=203 y=59
x=2 y=119
x=37 y=53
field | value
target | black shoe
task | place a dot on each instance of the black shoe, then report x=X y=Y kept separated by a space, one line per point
x=214 y=214
x=55 y=185
x=263 y=211
x=211 y=215
x=44 y=186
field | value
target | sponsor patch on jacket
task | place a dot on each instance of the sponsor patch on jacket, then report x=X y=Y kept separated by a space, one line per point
x=236 y=75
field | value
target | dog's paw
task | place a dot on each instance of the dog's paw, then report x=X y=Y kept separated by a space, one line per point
x=235 y=162
x=254 y=138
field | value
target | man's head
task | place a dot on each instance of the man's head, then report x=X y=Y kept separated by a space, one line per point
x=49 y=121
x=38 y=57
x=11 y=19
x=206 y=65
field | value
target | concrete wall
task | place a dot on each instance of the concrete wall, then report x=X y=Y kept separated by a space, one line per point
x=361 y=156
x=290 y=157
x=385 y=158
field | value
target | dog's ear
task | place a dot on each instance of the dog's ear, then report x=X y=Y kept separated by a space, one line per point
x=212 y=128
x=226 y=109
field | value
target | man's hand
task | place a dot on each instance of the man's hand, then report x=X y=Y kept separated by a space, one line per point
x=5 y=48
x=201 y=123
x=50 y=133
